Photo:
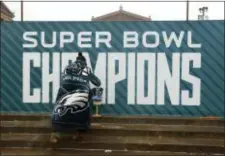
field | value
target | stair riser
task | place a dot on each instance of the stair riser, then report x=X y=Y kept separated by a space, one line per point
x=108 y=136
x=167 y=121
x=142 y=147
x=91 y=152
x=121 y=132
x=107 y=154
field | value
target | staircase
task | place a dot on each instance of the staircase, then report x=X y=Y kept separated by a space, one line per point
x=115 y=136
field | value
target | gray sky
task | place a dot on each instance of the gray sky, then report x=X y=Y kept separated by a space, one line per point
x=83 y=11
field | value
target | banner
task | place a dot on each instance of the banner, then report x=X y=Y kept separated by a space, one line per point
x=146 y=68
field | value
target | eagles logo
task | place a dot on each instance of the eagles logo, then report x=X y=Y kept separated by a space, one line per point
x=74 y=102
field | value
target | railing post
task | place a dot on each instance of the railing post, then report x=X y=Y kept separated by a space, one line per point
x=97 y=103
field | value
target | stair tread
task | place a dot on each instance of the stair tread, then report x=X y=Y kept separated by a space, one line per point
x=92 y=152
x=85 y=138
x=217 y=121
x=149 y=127
x=124 y=135
x=46 y=115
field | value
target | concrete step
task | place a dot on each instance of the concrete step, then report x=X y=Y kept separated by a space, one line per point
x=138 y=136
x=86 y=137
x=92 y=152
x=115 y=143
x=114 y=129
x=213 y=121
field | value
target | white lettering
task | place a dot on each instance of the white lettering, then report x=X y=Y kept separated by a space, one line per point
x=186 y=76
x=130 y=39
x=43 y=40
x=189 y=40
x=131 y=87
x=173 y=37
x=84 y=39
x=106 y=40
x=48 y=78
x=27 y=58
x=113 y=78
x=66 y=37
x=156 y=40
x=100 y=71
x=170 y=79
x=150 y=59
x=29 y=36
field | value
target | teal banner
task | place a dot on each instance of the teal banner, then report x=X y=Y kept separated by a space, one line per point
x=146 y=68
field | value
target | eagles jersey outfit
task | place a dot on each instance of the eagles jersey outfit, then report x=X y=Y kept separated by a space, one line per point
x=72 y=109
